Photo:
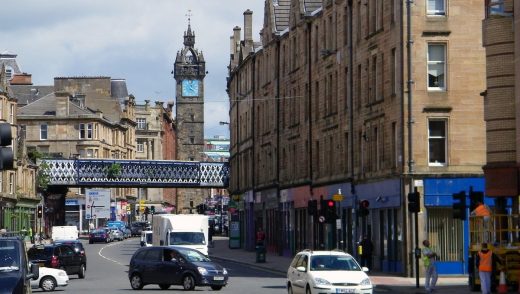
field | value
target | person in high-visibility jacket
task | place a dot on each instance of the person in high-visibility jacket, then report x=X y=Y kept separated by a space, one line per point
x=485 y=268
x=430 y=268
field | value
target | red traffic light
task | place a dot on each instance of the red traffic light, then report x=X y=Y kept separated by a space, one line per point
x=330 y=203
x=364 y=203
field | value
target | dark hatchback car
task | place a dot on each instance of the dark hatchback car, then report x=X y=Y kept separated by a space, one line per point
x=59 y=256
x=99 y=235
x=16 y=271
x=166 y=266
x=75 y=244
x=137 y=227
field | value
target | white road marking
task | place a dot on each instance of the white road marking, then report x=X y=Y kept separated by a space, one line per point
x=109 y=259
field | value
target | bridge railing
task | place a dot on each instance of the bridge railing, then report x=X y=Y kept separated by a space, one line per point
x=135 y=173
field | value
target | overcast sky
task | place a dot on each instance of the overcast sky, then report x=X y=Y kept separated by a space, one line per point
x=129 y=39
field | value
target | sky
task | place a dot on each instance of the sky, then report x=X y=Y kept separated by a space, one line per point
x=128 y=39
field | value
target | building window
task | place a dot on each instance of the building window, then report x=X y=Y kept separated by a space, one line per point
x=437 y=143
x=43 y=132
x=436 y=66
x=436 y=7
x=12 y=112
x=85 y=131
x=8 y=72
x=12 y=180
x=141 y=123
x=495 y=7
x=140 y=146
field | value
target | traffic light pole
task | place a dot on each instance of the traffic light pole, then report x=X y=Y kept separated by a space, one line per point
x=417 y=252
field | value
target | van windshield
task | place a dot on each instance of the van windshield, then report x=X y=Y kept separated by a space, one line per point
x=9 y=256
x=187 y=238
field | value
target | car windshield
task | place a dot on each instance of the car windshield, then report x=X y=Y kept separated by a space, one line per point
x=193 y=255
x=9 y=257
x=187 y=238
x=333 y=263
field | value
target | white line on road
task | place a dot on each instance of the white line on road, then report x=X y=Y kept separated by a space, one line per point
x=109 y=259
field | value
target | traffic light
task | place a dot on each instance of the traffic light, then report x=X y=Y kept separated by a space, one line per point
x=6 y=153
x=312 y=207
x=459 y=205
x=146 y=210
x=414 y=202
x=363 y=207
x=152 y=209
x=330 y=211
x=40 y=211
x=474 y=199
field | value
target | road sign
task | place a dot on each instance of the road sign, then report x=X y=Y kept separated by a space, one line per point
x=337 y=197
x=98 y=203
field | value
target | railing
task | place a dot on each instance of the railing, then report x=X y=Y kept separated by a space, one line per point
x=499 y=229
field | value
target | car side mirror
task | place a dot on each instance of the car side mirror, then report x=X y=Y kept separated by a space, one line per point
x=301 y=269
x=35 y=271
x=365 y=269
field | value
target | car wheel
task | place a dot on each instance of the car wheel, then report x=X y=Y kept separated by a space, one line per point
x=188 y=283
x=136 y=282
x=216 y=288
x=164 y=286
x=289 y=289
x=48 y=284
x=81 y=273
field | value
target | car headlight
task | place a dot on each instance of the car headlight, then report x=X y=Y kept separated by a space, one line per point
x=62 y=274
x=202 y=271
x=365 y=282
x=321 y=282
x=224 y=271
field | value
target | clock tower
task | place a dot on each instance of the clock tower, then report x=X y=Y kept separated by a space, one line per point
x=189 y=72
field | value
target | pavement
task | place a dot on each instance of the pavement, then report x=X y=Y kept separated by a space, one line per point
x=386 y=282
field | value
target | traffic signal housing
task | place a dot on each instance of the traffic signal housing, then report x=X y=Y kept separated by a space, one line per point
x=152 y=209
x=363 y=208
x=312 y=207
x=459 y=205
x=40 y=211
x=6 y=153
x=330 y=211
x=414 y=202
x=475 y=198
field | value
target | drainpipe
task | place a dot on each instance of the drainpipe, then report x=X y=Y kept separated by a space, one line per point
x=309 y=115
x=410 y=83
x=280 y=234
x=351 y=122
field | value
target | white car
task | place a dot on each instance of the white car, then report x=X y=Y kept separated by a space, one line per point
x=327 y=272
x=50 y=278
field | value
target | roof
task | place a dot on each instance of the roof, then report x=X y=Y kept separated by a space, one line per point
x=29 y=93
x=281 y=14
x=47 y=106
x=312 y=5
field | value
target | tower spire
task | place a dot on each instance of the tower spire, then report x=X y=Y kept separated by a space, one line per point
x=189 y=36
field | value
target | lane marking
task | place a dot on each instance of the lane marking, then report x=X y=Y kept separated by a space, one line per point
x=107 y=258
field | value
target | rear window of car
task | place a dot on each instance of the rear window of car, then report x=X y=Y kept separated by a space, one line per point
x=40 y=253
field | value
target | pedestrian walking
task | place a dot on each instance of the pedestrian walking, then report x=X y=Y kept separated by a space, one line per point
x=430 y=268
x=366 y=248
x=487 y=263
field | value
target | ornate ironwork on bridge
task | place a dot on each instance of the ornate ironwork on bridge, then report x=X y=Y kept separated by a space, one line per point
x=136 y=173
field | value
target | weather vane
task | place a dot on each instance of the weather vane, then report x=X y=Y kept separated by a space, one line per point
x=189 y=15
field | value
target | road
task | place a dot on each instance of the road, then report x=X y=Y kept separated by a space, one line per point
x=108 y=265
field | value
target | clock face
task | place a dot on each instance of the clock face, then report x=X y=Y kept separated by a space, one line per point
x=190 y=88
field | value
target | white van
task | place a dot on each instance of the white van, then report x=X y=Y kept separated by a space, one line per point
x=64 y=233
x=146 y=238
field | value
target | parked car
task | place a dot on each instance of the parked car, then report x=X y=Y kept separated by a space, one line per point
x=146 y=238
x=59 y=256
x=172 y=265
x=75 y=244
x=137 y=227
x=50 y=278
x=99 y=235
x=127 y=232
x=327 y=272
x=116 y=234
x=16 y=271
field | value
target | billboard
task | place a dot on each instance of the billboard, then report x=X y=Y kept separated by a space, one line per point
x=97 y=203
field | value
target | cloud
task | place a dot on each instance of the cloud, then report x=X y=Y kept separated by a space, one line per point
x=130 y=39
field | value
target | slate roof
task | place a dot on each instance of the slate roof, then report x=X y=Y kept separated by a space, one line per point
x=26 y=94
x=119 y=91
x=47 y=106
x=9 y=59
x=312 y=5
x=281 y=14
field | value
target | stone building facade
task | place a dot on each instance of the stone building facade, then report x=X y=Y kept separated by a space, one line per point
x=155 y=136
x=84 y=117
x=322 y=106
